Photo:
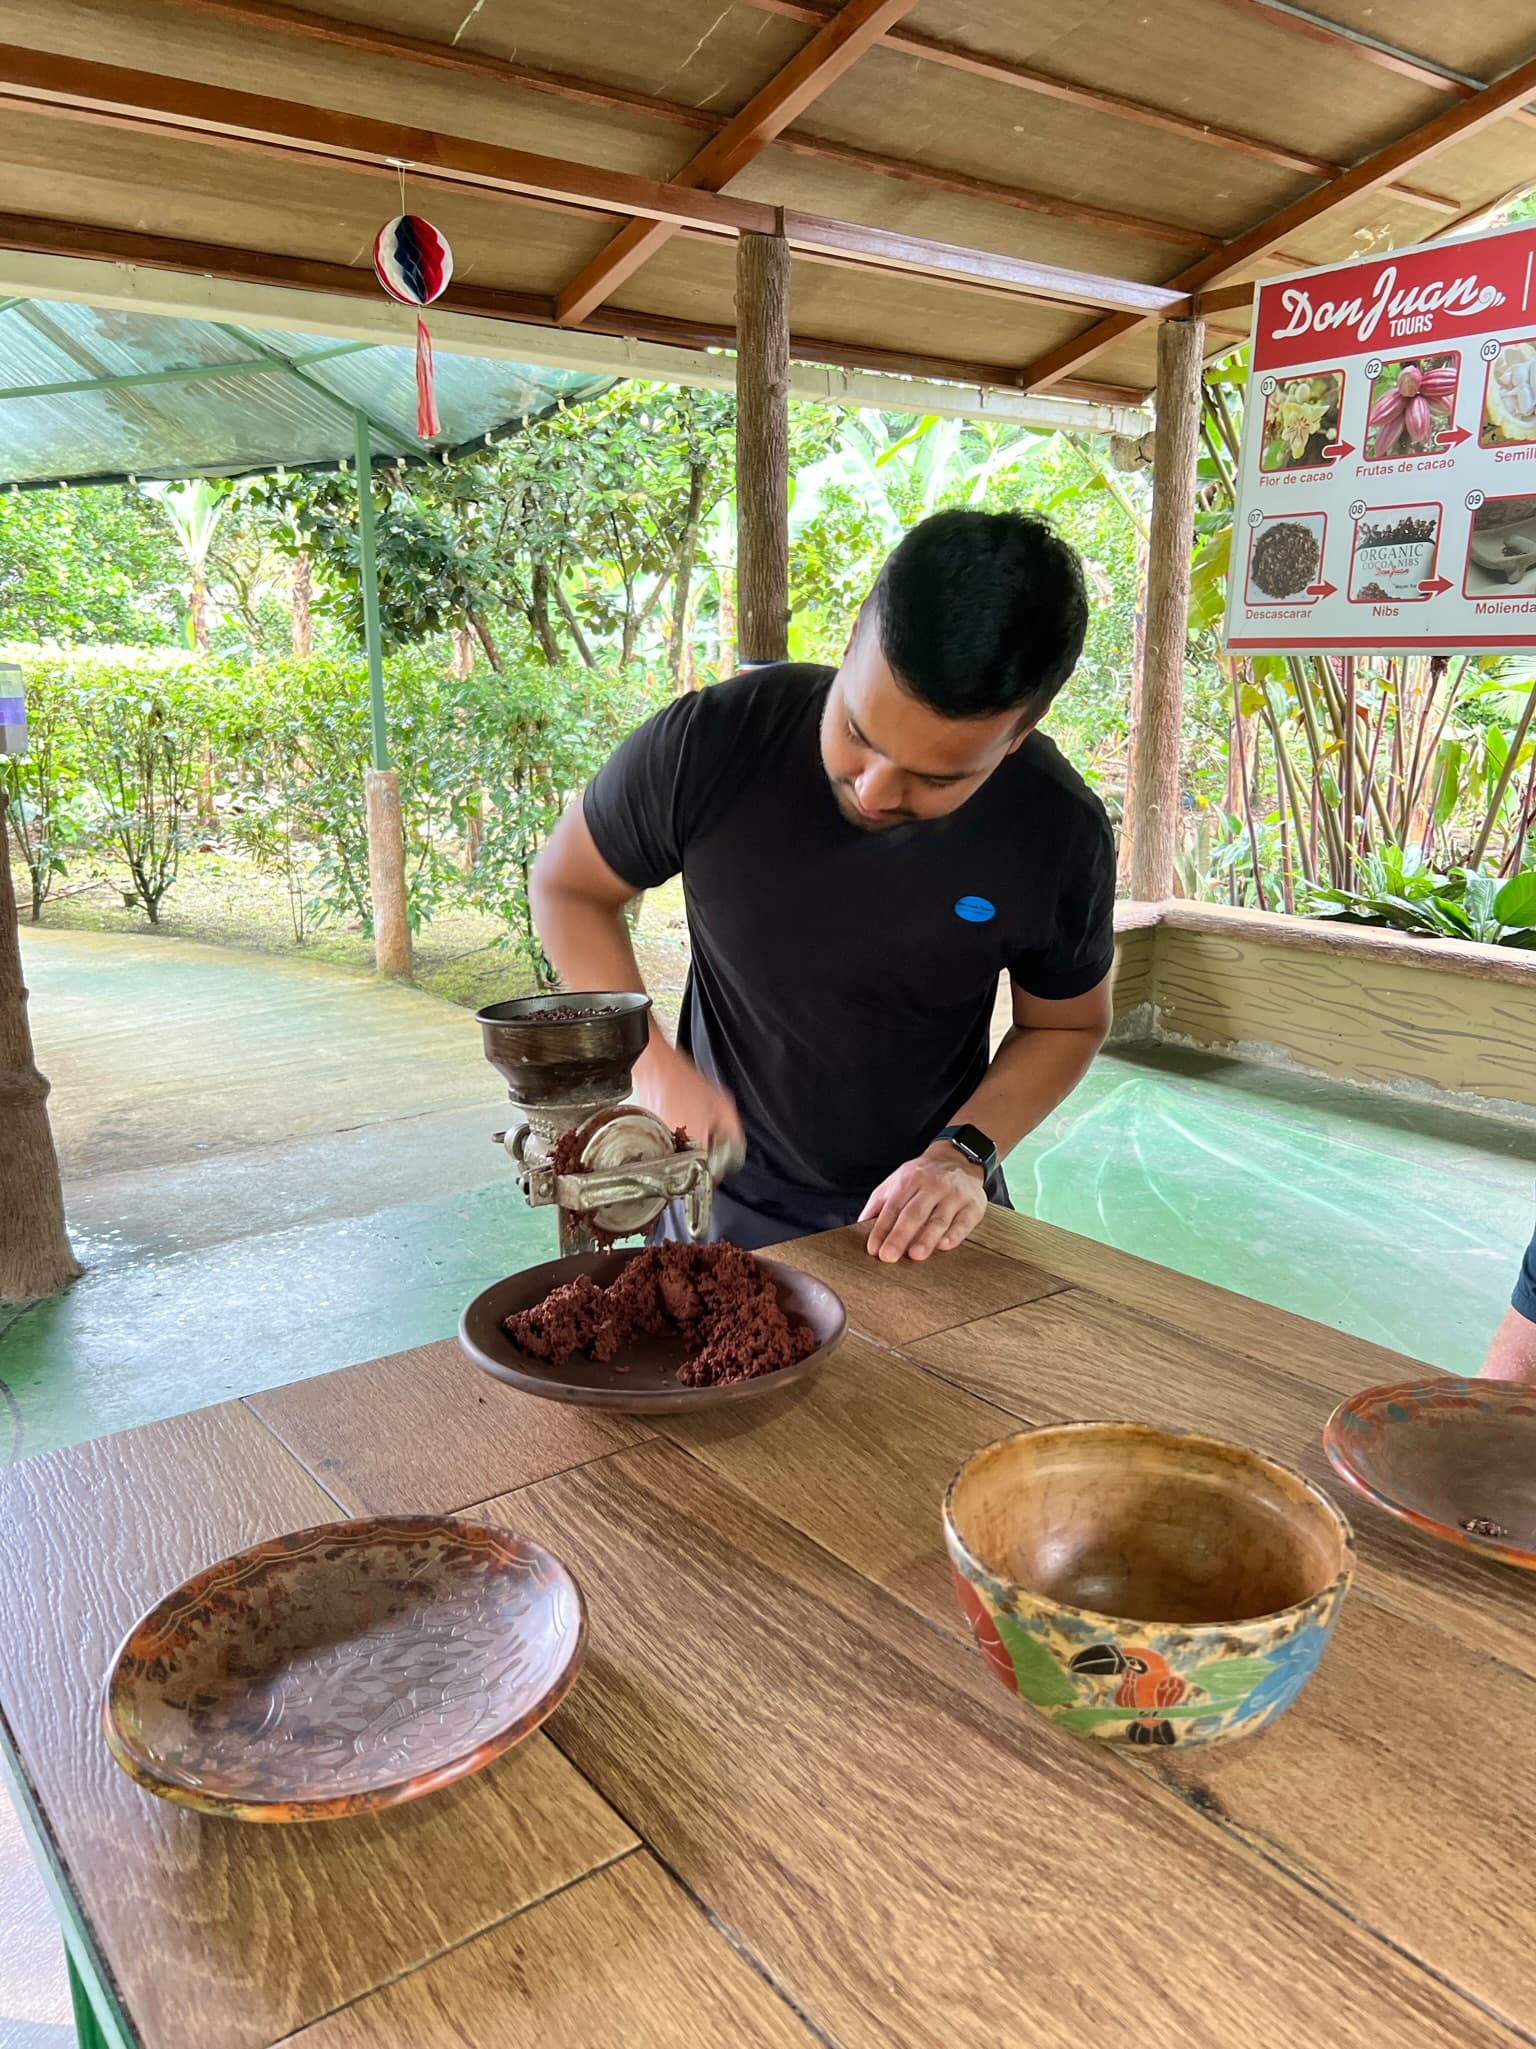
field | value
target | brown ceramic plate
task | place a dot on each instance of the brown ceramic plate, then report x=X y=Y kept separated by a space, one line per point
x=1454 y=1457
x=641 y=1379
x=343 y=1669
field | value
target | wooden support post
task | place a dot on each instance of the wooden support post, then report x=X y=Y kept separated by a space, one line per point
x=381 y=785
x=1152 y=817
x=35 y=1255
x=762 y=448
x=386 y=873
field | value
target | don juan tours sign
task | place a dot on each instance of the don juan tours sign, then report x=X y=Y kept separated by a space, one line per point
x=1387 y=482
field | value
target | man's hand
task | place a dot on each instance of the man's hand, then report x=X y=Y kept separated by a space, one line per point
x=932 y=1204
x=668 y=1084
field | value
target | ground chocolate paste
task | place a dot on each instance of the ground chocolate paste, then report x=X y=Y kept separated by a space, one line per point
x=715 y=1296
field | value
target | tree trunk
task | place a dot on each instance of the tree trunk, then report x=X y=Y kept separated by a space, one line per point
x=1156 y=742
x=762 y=447
x=386 y=873
x=463 y=651
x=1138 y=671
x=690 y=675
x=199 y=610
x=725 y=622
x=583 y=648
x=679 y=653
x=538 y=615
x=35 y=1255
x=303 y=620
x=487 y=643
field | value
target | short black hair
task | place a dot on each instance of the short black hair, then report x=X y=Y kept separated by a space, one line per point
x=982 y=612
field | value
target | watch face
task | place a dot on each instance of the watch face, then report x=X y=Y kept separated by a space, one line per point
x=973 y=1143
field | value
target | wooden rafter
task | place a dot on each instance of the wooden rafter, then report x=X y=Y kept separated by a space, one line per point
x=275 y=17
x=1454 y=125
x=1302 y=23
x=220 y=115
x=1029 y=78
x=835 y=46
x=91 y=243
x=1020 y=198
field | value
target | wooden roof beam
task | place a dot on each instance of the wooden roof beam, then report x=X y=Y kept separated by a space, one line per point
x=79 y=241
x=1028 y=78
x=221 y=116
x=1454 y=125
x=1316 y=28
x=275 y=17
x=836 y=45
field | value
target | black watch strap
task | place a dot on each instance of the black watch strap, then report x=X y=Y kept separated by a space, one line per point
x=973 y=1145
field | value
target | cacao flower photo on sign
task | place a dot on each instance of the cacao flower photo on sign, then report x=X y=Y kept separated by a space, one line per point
x=1301 y=422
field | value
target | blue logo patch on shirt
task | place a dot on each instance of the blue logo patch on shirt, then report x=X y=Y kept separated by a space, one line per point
x=975 y=910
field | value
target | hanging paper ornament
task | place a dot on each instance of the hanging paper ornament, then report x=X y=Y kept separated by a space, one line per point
x=414 y=265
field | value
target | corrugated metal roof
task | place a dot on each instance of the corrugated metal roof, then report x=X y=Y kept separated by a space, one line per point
x=90 y=394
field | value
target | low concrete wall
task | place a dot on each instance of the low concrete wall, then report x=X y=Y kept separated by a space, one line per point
x=1378 y=1008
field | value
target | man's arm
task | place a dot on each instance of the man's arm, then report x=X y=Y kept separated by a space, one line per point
x=1512 y=1355
x=933 y=1203
x=578 y=905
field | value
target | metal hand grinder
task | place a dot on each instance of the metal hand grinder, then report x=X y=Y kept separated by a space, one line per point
x=608 y=1166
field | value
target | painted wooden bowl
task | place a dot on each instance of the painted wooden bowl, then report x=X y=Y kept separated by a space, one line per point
x=641 y=1378
x=1146 y=1586
x=1454 y=1457
x=344 y=1669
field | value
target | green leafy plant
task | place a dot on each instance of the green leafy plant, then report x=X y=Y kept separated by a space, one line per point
x=45 y=811
x=1397 y=887
x=139 y=755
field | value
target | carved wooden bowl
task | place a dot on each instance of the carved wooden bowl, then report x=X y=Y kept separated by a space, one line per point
x=344 y=1669
x=1146 y=1586
x=1454 y=1457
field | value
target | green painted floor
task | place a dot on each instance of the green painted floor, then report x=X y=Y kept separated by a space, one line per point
x=275 y=1168
x=1396 y=1220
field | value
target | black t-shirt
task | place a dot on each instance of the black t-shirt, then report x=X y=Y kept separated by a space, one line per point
x=843 y=981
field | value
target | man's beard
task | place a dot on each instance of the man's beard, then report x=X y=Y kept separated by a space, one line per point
x=887 y=822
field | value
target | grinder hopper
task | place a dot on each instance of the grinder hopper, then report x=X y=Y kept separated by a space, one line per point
x=609 y=1166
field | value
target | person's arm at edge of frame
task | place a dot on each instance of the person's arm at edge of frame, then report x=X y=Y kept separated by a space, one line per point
x=578 y=905
x=1512 y=1355
x=933 y=1203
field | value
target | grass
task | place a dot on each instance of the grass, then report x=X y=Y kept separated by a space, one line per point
x=222 y=898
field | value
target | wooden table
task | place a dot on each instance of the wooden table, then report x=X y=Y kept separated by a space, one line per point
x=787 y=1804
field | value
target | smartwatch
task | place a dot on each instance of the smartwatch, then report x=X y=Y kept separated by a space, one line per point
x=972 y=1145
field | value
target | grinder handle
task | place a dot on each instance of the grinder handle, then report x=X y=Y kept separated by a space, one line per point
x=726 y=1157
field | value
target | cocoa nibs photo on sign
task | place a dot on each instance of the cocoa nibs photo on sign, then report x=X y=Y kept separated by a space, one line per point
x=1398 y=533
x=1285 y=559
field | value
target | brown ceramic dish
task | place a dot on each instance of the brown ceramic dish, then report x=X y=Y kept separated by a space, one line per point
x=640 y=1380
x=1454 y=1457
x=343 y=1669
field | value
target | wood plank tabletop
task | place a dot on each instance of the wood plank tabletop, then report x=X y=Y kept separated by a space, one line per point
x=786 y=1804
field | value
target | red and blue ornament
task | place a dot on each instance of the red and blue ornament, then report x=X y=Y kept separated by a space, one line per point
x=414 y=265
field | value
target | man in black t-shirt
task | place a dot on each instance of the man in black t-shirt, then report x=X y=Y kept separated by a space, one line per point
x=864 y=852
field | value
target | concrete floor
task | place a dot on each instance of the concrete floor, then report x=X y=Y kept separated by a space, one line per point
x=275 y=1168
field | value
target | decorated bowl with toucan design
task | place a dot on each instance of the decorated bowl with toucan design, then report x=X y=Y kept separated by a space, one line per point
x=1142 y=1586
